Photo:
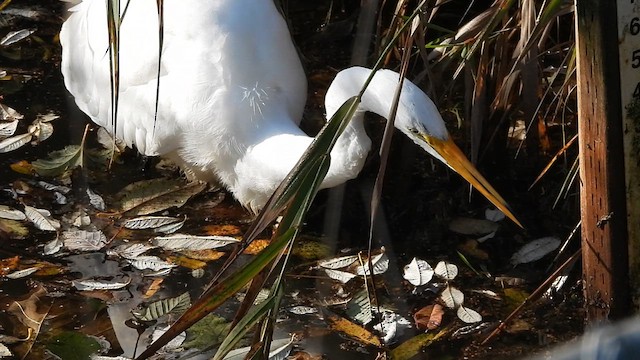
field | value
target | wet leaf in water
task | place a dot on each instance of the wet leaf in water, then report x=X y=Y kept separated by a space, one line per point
x=4 y=351
x=73 y=345
x=149 y=222
x=60 y=161
x=338 y=275
x=8 y=128
x=279 y=350
x=535 y=250
x=187 y=262
x=470 y=248
x=22 y=167
x=22 y=273
x=9 y=114
x=150 y=196
x=32 y=311
x=96 y=200
x=9 y=264
x=130 y=251
x=468 y=315
x=468 y=226
x=90 y=285
x=10 y=213
x=494 y=215
x=14 y=142
x=338 y=262
x=203 y=255
x=488 y=293
x=82 y=240
x=150 y=262
x=41 y=130
x=175 y=345
x=429 y=317
x=379 y=263
x=302 y=310
x=418 y=272
x=452 y=297
x=153 y=288
x=446 y=270
x=157 y=309
x=353 y=330
x=391 y=325
x=208 y=332
x=13 y=37
x=469 y=330
x=53 y=187
x=256 y=247
x=359 y=308
x=41 y=218
x=13 y=228
x=192 y=242
x=415 y=346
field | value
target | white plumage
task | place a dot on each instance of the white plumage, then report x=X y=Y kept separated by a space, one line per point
x=232 y=91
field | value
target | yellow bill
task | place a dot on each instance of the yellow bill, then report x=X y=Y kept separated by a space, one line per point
x=456 y=160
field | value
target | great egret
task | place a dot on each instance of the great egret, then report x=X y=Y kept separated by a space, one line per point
x=231 y=95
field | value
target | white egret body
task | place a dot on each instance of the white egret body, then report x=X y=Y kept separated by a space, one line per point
x=232 y=91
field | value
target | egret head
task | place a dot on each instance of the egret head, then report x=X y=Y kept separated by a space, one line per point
x=417 y=117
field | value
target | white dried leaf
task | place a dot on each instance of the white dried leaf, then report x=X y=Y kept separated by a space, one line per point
x=379 y=263
x=192 y=242
x=52 y=187
x=83 y=285
x=174 y=345
x=41 y=130
x=53 y=246
x=302 y=310
x=9 y=114
x=59 y=198
x=130 y=251
x=105 y=139
x=96 y=200
x=5 y=352
x=8 y=128
x=10 y=213
x=452 y=297
x=13 y=37
x=446 y=270
x=48 y=117
x=41 y=219
x=149 y=222
x=391 y=325
x=171 y=228
x=338 y=275
x=494 y=215
x=535 y=250
x=468 y=315
x=14 y=142
x=338 y=262
x=488 y=293
x=418 y=272
x=22 y=273
x=150 y=262
x=83 y=240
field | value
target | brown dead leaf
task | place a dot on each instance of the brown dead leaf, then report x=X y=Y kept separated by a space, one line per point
x=153 y=288
x=8 y=265
x=470 y=248
x=353 y=330
x=429 y=317
x=203 y=255
x=30 y=312
x=187 y=262
x=223 y=230
x=256 y=246
x=22 y=167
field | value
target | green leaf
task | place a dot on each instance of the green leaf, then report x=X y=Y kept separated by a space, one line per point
x=163 y=307
x=73 y=346
x=60 y=161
